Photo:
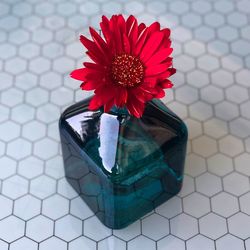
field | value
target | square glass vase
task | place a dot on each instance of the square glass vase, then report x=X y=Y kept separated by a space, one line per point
x=123 y=167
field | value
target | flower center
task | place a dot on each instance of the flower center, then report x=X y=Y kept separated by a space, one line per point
x=127 y=70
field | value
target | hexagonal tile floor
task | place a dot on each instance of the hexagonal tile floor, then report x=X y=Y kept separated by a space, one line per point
x=38 y=48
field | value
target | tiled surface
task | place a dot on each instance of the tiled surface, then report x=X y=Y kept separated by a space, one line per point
x=38 y=48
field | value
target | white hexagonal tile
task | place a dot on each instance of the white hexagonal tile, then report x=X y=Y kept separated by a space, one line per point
x=51 y=203
x=56 y=96
x=215 y=128
x=231 y=145
x=15 y=65
x=54 y=22
x=6 y=207
x=39 y=65
x=222 y=78
x=197 y=78
x=142 y=242
x=73 y=225
x=236 y=94
x=48 y=113
x=4 y=113
x=80 y=209
x=179 y=109
x=155 y=221
x=237 y=19
x=227 y=33
x=89 y=8
x=32 y=22
x=194 y=128
x=201 y=111
x=54 y=167
x=187 y=186
x=28 y=50
x=42 y=187
x=19 y=148
x=218 y=48
x=22 y=9
x=8 y=167
x=212 y=94
x=11 y=228
x=208 y=63
x=224 y=6
x=220 y=164
x=244 y=203
x=27 y=207
x=213 y=226
x=214 y=19
x=244 y=108
x=37 y=96
x=232 y=62
x=204 y=146
x=90 y=226
x=7 y=51
x=241 y=77
x=242 y=163
x=200 y=242
x=171 y=242
x=208 y=184
x=26 y=81
x=184 y=226
x=181 y=34
x=191 y=20
x=66 y=190
x=196 y=205
x=224 y=204
x=19 y=36
x=63 y=65
x=24 y=243
x=22 y=113
x=170 y=208
x=30 y=167
x=112 y=243
x=195 y=165
x=9 y=22
x=34 y=130
x=42 y=35
x=240 y=127
x=134 y=7
x=179 y=7
x=39 y=233
x=230 y=242
x=52 y=50
x=236 y=184
x=82 y=241
x=185 y=63
x=4 y=245
x=11 y=97
x=6 y=80
x=14 y=187
x=186 y=94
x=239 y=225
x=45 y=148
x=53 y=243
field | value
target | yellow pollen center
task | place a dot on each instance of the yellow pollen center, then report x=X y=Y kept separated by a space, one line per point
x=127 y=70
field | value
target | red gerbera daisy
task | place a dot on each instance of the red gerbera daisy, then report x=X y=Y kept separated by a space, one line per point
x=130 y=65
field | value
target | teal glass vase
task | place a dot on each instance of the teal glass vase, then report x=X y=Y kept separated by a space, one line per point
x=123 y=167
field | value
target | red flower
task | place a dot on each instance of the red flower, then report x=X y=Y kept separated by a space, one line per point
x=130 y=65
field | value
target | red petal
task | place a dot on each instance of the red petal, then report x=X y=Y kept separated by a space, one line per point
x=99 y=41
x=141 y=42
x=154 y=27
x=166 y=84
x=159 y=56
x=156 y=69
x=161 y=93
x=135 y=107
x=151 y=45
x=105 y=27
x=141 y=27
x=95 y=103
x=79 y=74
